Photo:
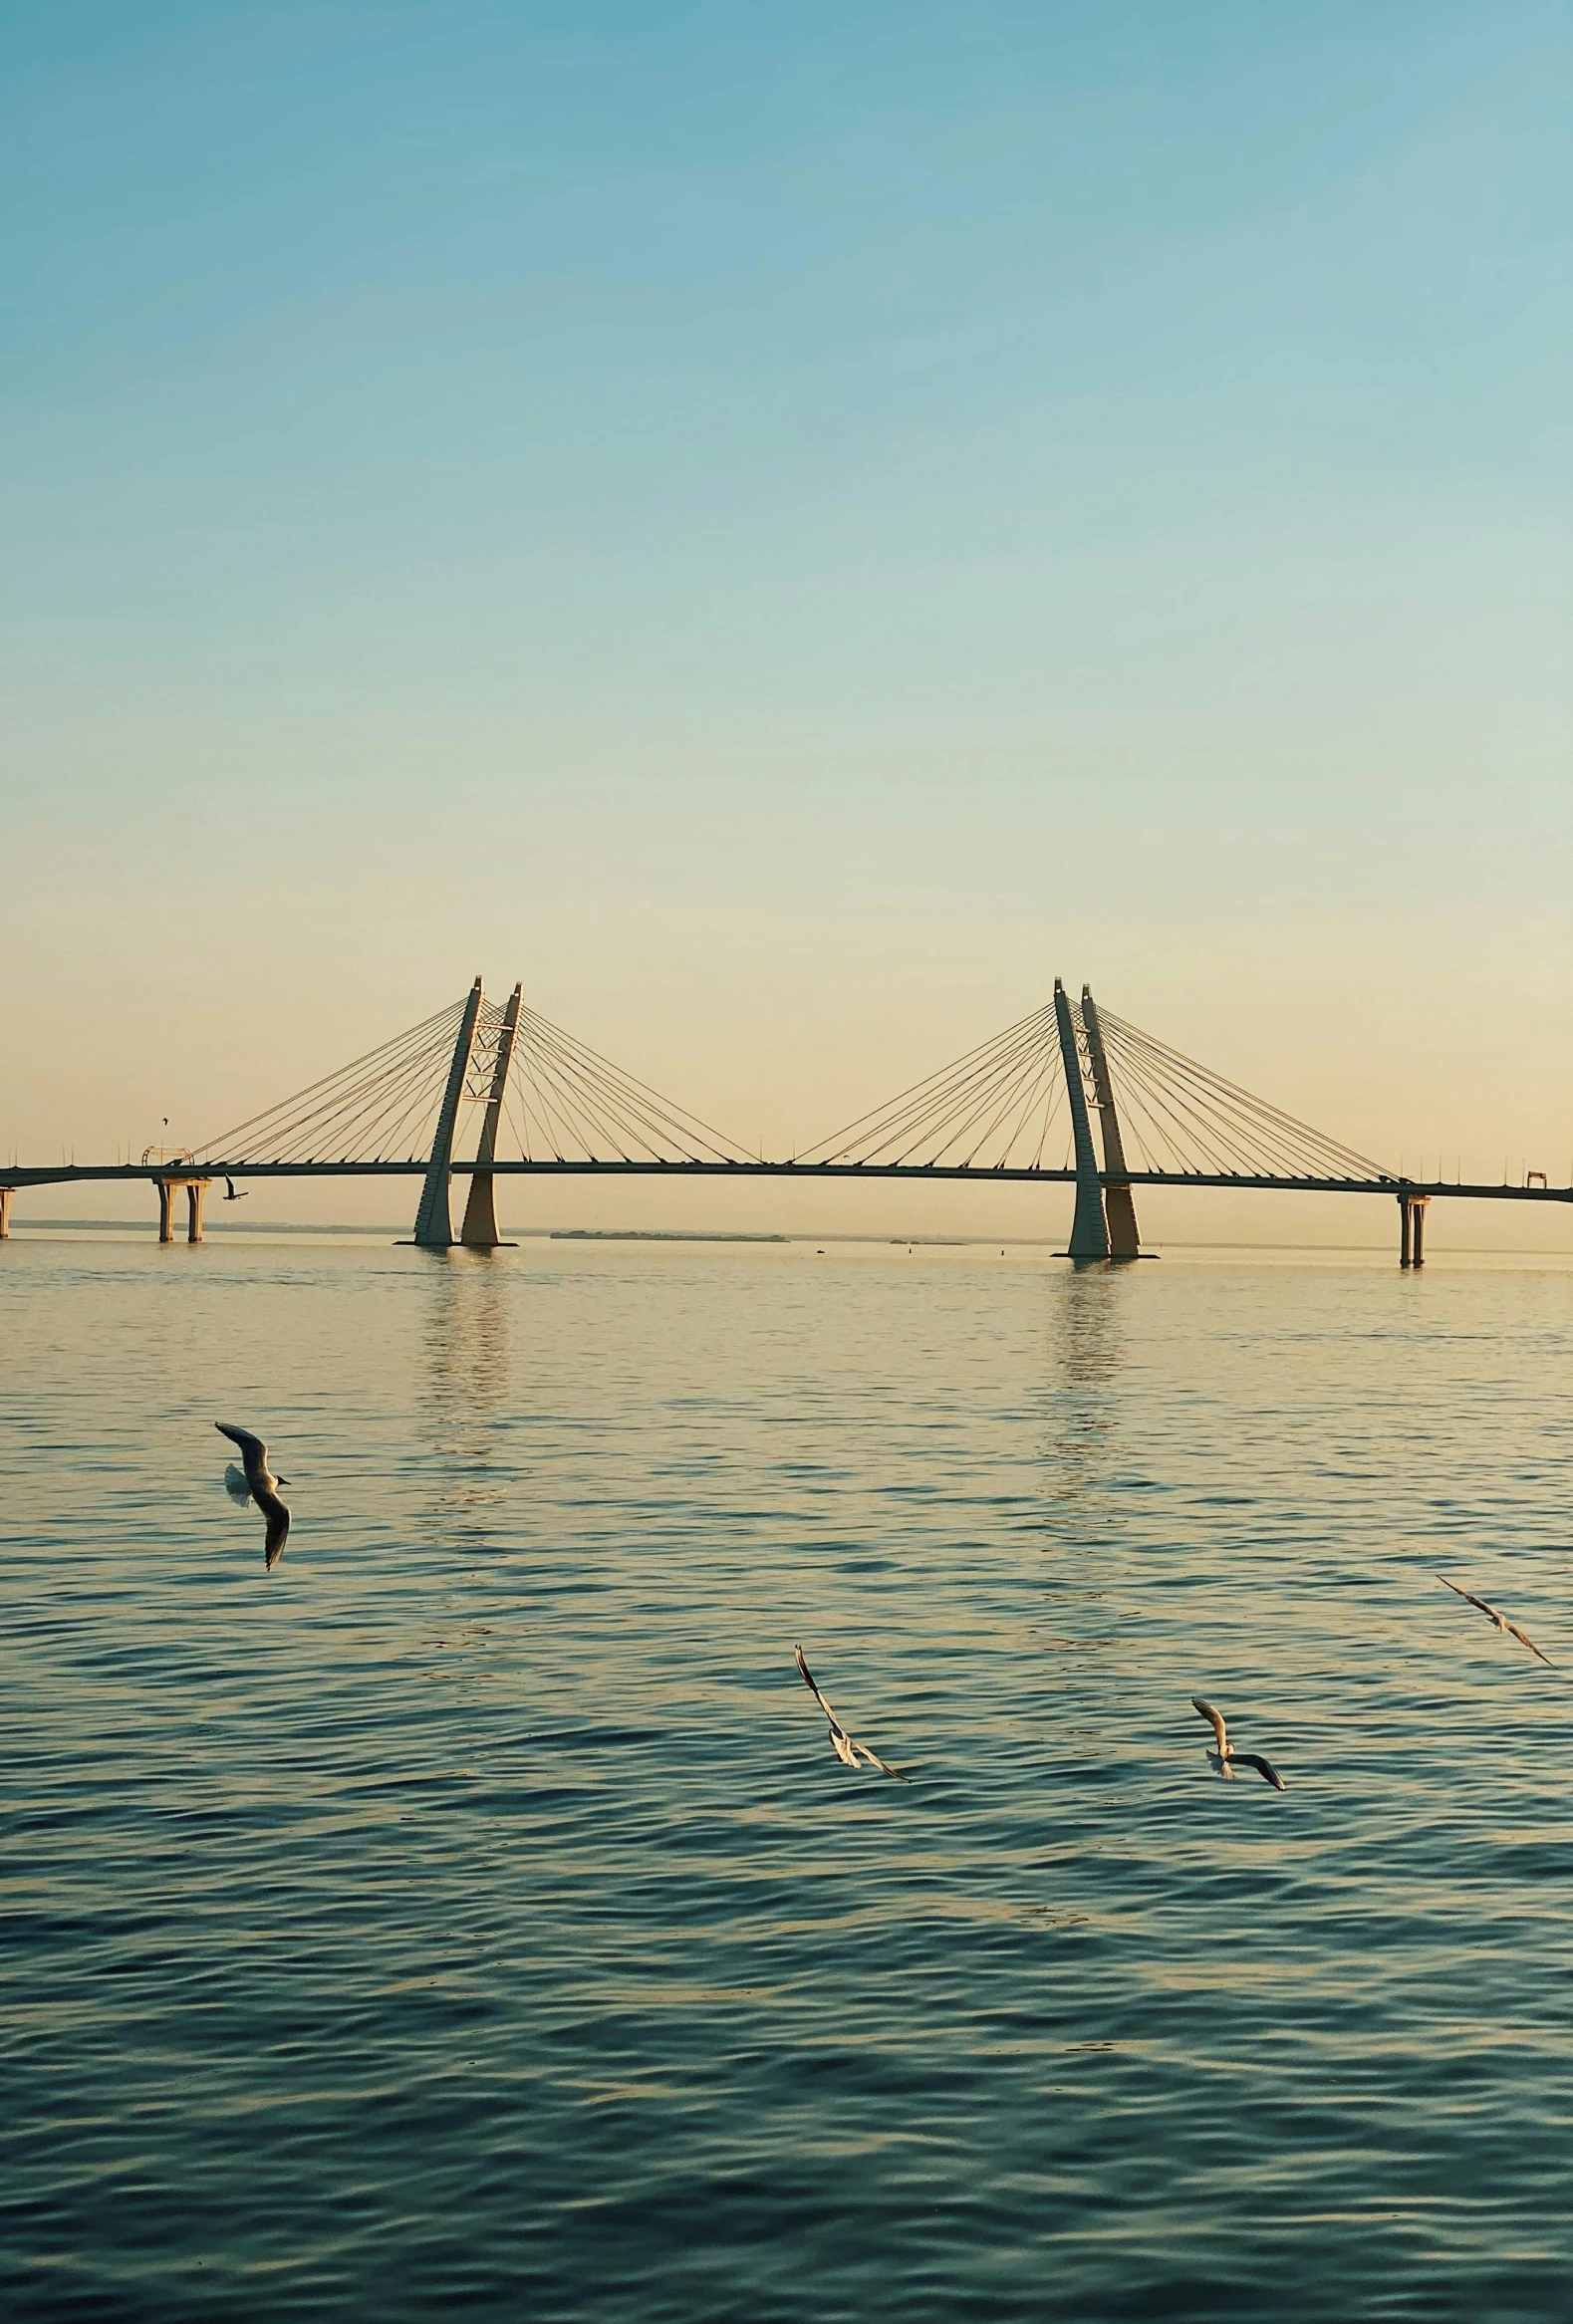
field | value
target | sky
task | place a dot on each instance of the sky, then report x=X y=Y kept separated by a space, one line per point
x=786 y=529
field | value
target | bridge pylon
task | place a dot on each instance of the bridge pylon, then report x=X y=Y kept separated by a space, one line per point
x=1125 y=1236
x=1089 y=1234
x=479 y=1231
x=433 y=1223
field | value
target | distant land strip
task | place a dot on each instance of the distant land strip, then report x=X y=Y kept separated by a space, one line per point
x=389 y=1232
x=663 y=1234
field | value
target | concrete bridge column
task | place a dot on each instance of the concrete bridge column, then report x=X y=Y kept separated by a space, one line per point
x=6 y=1193
x=479 y=1231
x=434 y=1222
x=1088 y=1233
x=1412 y=1230
x=1125 y=1236
x=195 y=1192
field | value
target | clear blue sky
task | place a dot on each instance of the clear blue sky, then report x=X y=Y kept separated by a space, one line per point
x=785 y=527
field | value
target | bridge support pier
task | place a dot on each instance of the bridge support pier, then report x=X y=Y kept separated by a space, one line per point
x=195 y=1194
x=1089 y=1234
x=6 y=1193
x=1412 y=1230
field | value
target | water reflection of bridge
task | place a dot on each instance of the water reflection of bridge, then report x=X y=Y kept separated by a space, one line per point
x=1018 y=1109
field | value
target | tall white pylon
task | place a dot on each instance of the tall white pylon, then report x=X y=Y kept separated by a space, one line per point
x=434 y=1226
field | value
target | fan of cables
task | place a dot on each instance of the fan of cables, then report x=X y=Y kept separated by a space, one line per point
x=561 y=1102
x=1181 y=1117
x=1002 y=1107
x=564 y=1101
x=382 y=1107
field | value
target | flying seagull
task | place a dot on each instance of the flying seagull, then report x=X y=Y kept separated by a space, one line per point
x=261 y=1485
x=846 y=1750
x=1225 y=1760
x=230 y=1194
x=1500 y=1620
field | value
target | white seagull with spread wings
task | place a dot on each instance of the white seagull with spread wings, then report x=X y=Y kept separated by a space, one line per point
x=1225 y=1760
x=850 y=1754
x=1499 y=1619
x=261 y=1486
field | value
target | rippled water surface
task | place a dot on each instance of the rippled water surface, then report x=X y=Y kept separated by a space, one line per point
x=471 y=1915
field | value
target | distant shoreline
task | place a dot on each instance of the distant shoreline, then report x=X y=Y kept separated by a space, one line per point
x=393 y=1232
x=660 y=1235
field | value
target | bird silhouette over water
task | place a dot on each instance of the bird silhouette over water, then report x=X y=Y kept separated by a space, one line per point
x=850 y=1754
x=1225 y=1760
x=260 y=1485
x=1499 y=1619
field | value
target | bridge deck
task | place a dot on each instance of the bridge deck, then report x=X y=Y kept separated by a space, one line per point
x=151 y=1172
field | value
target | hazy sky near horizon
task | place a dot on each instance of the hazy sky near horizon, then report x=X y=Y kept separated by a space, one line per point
x=786 y=528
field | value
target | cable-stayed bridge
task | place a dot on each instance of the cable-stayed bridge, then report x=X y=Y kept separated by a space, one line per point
x=1069 y=1094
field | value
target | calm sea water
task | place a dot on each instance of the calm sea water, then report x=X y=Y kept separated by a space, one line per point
x=472 y=1917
